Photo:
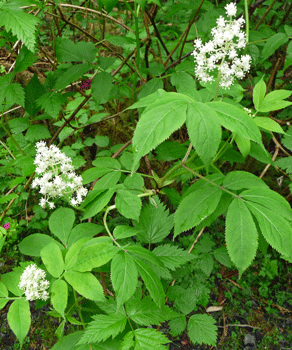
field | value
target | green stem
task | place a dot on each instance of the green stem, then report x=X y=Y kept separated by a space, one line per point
x=246 y=20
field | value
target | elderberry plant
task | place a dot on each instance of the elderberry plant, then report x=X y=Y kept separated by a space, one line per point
x=123 y=272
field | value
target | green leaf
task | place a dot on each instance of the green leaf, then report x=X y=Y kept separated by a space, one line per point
x=275 y=100
x=268 y=124
x=201 y=329
x=71 y=74
x=124 y=231
x=108 y=181
x=259 y=93
x=101 y=87
x=128 y=204
x=86 y=229
x=68 y=51
x=124 y=276
x=11 y=281
x=242 y=144
x=52 y=258
x=103 y=327
x=109 y=4
x=3 y=290
x=51 y=102
x=146 y=339
x=276 y=230
x=59 y=296
x=270 y=199
x=37 y=132
x=150 y=87
x=25 y=59
x=98 y=204
x=172 y=257
x=134 y=182
x=33 y=244
x=18 y=125
x=3 y=302
x=61 y=222
x=157 y=123
x=177 y=325
x=241 y=235
x=196 y=207
x=260 y=154
x=285 y=164
x=143 y=253
x=71 y=257
x=155 y=223
x=14 y=93
x=85 y=284
x=237 y=180
x=187 y=300
x=235 y=119
x=221 y=254
x=68 y=342
x=18 y=318
x=22 y=24
x=204 y=130
x=95 y=255
x=272 y=44
x=152 y=282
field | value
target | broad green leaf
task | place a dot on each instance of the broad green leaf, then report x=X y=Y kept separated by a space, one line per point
x=152 y=282
x=86 y=229
x=108 y=181
x=259 y=93
x=68 y=342
x=18 y=125
x=71 y=257
x=260 y=154
x=270 y=199
x=201 y=329
x=241 y=235
x=37 y=132
x=18 y=318
x=204 y=130
x=3 y=302
x=25 y=59
x=143 y=253
x=221 y=254
x=157 y=123
x=196 y=207
x=103 y=327
x=185 y=84
x=178 y=325
x=124 y=276
x=33 y=244
x=149 y=339
x=22 y=24
x=61 y=222
x=149 y=100
x=94 y=173
x=59 y=296
x=12 y=280
x=187 y=300
x=235 y=119
x=95 y=255
x=128 y=204
x=71 y=74
x=98 y=204
x=124 y=231
x=3 y=290
x=155 y=223
x=236 y=180
x=275 y=100
x=52 y=258
x=276 y=230
x=14 y=93
x=85 y=284
x=68 y=51
x=172 y=256
x=150 y=87
x=134 y=182
x=242 y=144
x=101 y=87
x=272 y=44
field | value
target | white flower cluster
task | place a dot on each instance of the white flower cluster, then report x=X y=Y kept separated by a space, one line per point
x=221 y=52
x=33 y=282
x=48 y=161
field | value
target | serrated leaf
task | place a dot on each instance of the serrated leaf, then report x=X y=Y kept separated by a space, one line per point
x=157 y=123
x=201 y=330
x=68 y=51
x=242 y=144
x=237 y=180
x=151 y=281
x=143 y=253
x=51 y=102
x=103 y=327
x=150 y=87
x=241 y=235
x=98 y=203
x=71 y=74
x=108 y=181
x=235 y=119
x=259 y=93
x=268 y=124
x=222 y=256
x=172 y=256
x=275 y=100
x=146 y=339
x=18 y=318
x=187 y=299
x=124 y=231
x=25 y=59
x=177 y=325
x=52 y=258
x=22 y=24
x=155 y=223
x=124 y=276
x=14 y=93
x=85 y=284
x=196 y=207
x=33 y=91
x=270 y=199
x=37 y=132
x=128 y=204
x=276 y=230
x=101 y=87
x=285 y=164
x=204 y=130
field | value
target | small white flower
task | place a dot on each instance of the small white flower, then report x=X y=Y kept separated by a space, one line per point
x=34 y=284
x=221 y=52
